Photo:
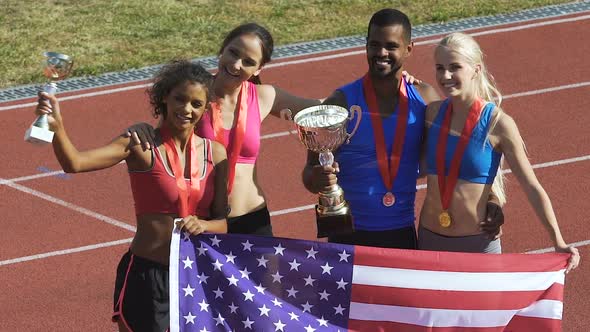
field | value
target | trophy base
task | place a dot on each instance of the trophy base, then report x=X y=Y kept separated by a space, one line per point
x=334 y=224
x=38 y=135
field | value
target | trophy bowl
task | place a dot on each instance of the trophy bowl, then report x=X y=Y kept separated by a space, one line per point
x=56 y=66
x=322 y=128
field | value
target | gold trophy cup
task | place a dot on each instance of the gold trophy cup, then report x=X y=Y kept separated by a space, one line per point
x=56 y=67
x=322 y=129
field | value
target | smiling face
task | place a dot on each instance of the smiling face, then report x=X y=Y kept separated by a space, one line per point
x=454 y=74
x=387 y=49
x=185 y=105
x=241 y=58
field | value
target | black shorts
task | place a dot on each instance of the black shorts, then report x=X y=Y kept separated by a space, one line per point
x=402 y=238
x=141 y=296
x=256 y=223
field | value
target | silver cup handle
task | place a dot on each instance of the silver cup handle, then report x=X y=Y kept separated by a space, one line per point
x=354 y=109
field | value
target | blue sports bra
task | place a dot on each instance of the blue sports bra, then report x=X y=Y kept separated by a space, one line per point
x=480 y=161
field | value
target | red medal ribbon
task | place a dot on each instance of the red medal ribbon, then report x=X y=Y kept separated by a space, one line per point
x=388 y=167
x=187 y=197
x=446 y=185
x=240 y=131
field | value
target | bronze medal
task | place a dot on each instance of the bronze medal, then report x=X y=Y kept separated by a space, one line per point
x=388 y=199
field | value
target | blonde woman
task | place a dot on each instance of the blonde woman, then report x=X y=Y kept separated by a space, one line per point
x=467 y=135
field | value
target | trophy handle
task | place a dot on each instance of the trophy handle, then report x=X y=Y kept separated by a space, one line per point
x=354 y=109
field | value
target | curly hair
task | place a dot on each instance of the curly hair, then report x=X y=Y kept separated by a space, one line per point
x=172 y=74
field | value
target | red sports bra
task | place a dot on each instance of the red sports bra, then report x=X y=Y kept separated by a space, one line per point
x=251 y=144
x=155 y=190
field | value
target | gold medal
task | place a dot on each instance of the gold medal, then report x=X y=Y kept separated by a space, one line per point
x=444 y=219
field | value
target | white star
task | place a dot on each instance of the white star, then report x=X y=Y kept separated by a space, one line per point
x=188 y=263
x=245 y=273
x=279 y=250
x=188 y=290
x=202 y=278
x=202 y=250
x=343 y=256
x=204 y=330
x=324 y=295
x=204 y=306
x=276 y=277
x=311 y=253
x=248 y=323
x=341 y=284
x=307 y=306
x=309 y=280
x=277 y=303
x=259 y=288
x=326 y=268
x=217 y=265
x=339 y=310
x=248 y=296
x=218 y=293
x=215 y=241
x=308 y=328
x=294 y=265
x=233 y=308
x=293 y=316
x=264 y=310
x=233 y=280
x=279 y=326
x=322 y=321
x=190 y=318
x=186 y=236
x=230 y=257
x=262 y=261
x=247 y=246
x=219 y=320
x=292 y=292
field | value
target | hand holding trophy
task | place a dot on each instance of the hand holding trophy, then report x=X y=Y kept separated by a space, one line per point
x=56 y=67
x=322 y=129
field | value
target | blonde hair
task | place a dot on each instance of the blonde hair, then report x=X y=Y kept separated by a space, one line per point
x=485 y=88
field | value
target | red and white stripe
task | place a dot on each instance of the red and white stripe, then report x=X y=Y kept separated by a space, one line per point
x=405 y=290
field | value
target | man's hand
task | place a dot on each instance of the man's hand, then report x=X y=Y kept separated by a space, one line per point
x=324 y=177
x=142 y=133
x=492 y=224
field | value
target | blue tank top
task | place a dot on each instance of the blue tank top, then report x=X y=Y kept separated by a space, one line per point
x=359 y=172
x=480 y=161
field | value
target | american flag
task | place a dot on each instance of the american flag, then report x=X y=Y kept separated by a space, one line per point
x=229 y=282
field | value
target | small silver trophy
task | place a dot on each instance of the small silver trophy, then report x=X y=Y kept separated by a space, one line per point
x=56 y=67
x=322 y=129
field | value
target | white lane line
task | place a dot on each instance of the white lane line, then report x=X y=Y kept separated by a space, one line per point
x=325 y=57
x=551 y=249
x=423 y=186
x=70 y=206
x=515 y=95
x=546 y=90
x=84 y=95
x=65 y=251
x=125 y=241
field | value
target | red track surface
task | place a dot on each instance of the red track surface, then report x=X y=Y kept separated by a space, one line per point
x=73 y=292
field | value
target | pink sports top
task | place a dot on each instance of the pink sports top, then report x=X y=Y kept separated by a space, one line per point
x=251 y=144
x=155 y=190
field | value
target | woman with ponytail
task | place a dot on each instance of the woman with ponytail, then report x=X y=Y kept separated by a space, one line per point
x=467 y=136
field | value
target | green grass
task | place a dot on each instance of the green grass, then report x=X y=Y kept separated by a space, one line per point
x=114 y=35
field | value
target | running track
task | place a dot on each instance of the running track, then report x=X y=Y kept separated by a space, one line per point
x=62 y=235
